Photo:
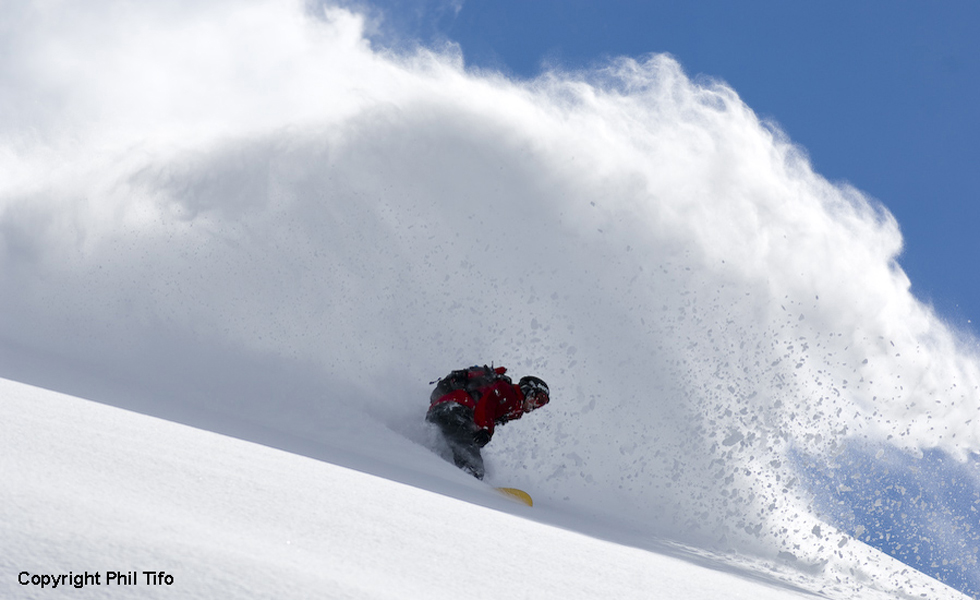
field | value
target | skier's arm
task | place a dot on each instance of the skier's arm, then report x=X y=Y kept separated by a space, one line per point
x=483 y=414
x=498 y=404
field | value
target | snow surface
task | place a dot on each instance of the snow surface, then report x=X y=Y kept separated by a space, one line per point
x=97 y=489
x=249 y=217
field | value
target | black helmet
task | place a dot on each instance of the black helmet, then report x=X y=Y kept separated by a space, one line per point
x=534 y=387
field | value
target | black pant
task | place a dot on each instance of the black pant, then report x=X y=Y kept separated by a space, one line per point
x=455 y=421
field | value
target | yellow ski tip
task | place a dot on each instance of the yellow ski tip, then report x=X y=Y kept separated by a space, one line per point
x=516 y=494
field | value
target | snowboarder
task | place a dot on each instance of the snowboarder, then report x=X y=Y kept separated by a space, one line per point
x=467 y=404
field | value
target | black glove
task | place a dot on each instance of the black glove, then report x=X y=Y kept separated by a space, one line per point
x=482 y=437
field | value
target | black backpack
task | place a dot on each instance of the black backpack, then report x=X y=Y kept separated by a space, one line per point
x=471 y=380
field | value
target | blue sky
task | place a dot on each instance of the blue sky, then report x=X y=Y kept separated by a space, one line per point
x=882 y=94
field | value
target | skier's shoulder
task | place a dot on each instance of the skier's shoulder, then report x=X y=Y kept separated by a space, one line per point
x=503 y=391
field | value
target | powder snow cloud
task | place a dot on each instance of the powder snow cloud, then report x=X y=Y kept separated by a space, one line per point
x=204 y=201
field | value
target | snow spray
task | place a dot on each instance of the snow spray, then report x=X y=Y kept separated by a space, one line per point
x=248 y=198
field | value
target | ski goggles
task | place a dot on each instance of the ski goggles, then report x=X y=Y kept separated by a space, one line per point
x=537 y=399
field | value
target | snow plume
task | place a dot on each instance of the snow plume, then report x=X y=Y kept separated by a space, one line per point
x=214 y=202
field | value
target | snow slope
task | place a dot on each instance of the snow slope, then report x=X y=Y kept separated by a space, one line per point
x=95 y=489
x=247 y=217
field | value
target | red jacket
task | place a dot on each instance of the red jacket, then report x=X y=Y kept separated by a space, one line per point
x=498 y=402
